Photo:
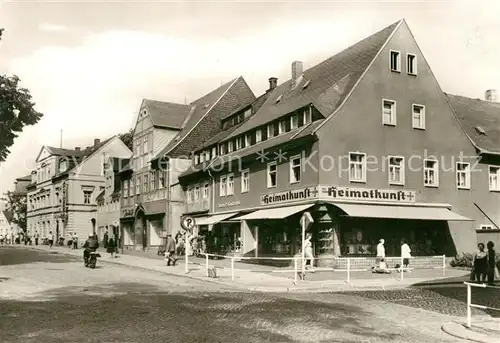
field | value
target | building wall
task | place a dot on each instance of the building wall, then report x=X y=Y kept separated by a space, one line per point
x=258 y=180
x=358 y=126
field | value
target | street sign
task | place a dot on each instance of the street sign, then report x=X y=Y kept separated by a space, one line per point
x=188 y=223
x=306 y=221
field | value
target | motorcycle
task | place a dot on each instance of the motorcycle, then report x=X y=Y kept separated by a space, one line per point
x=92 y=259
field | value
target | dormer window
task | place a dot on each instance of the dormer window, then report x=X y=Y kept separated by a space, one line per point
x=294 y=121
x=207 y=155
x=230 y=146
x=214 y=152
x=247 y=113
x=202 y=157
x=307 y=116
x=222 y=149
x=258 y=135
x=270 y=130
x=282 y=127
x=248 y=140
x=196 y=159
x=63 y=165
x=239 y=142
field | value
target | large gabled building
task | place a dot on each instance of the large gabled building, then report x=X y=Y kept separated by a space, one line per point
x=65 y=184
x=365 y=141
x=164 y=138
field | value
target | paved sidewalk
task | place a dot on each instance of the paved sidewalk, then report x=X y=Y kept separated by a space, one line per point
x=262 y=280
x=483 y=331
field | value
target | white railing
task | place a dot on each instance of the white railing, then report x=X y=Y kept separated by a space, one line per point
x=470 y=305
x=340 y=264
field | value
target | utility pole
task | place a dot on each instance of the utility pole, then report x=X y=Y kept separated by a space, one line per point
x=60 y=142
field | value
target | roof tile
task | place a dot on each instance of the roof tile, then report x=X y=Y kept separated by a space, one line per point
x=167 y=114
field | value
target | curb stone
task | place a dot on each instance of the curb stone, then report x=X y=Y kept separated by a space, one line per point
x=459 y=330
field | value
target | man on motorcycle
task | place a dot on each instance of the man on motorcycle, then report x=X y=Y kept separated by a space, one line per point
x=90 y=245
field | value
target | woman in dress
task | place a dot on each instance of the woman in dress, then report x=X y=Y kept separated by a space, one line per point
x=308 y=252
x=480 y=263
x=492 y=263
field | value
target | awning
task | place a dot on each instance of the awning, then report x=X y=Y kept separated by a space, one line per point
x=210 y=220
x=274 y=213
x=399 y=212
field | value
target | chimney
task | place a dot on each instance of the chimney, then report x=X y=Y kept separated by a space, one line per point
x=297 y=70
x=77 y=148
x=490 y=95
x=273 y=82
x=96 y=141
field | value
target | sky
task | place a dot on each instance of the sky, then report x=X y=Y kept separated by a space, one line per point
x=89 y=64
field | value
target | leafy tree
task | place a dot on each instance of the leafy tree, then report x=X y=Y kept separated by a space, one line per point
x=17 y=205
x=127 y=138
x=16 y=111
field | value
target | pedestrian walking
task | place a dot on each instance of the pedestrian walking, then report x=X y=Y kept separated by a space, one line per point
x=70 y=241
x=180 y=245
x=170 y=250
x=105 y=239
x=480 y=263
x=492 y=270
x=36 y=236
x=405 y=256
x=1 y=239
x=111 y=247
x=75 y=241
x=50 y=238
x=308 y=253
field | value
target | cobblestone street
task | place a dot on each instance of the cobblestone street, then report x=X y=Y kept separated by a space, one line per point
x=53 y=298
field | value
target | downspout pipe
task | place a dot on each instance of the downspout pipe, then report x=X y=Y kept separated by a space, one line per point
x=213 y=190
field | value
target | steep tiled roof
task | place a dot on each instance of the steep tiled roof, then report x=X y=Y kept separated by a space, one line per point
x=256 y=105
x=167 y=114
x=186 y=140
x=328 y=82
x=477 y=116
x=256 y=148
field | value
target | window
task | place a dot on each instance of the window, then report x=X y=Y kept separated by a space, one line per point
x=222 y=148
x=137 y=185
x=202 y=157
x=270 y=131
x=125 y=188
x=411 y=64
x=239 y=142
x=222 y=186
x=245 y=181
x=138 y=146
x=494 y=177
x=418 y=117
x=152 y=180
x=196 y=159
x=248 y=140
x=247 y=113
x=230 y=184
x=258 y=136
x=282 y=127
x=214 y=152
x=431 y=173
x=272 y=180
x=62 y=166
x=145 y=142
x=190 y=195
x=389 y=112
x=229 y=146
x=132 y=187
x=307 y=116
x=205 y=191
x=145 y=183
x=197 y=193
x=357 y=167
x=463 y=175
x=161 y=177
x=86 y=197
x=486 y=227
x=294 y=122
x=295 y=169
x=396 y=171
x=395 y=61
x=207 y=155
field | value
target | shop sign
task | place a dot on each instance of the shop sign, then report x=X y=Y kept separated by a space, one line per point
x=292 y=195
x=229 y=204
x=367 y=194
